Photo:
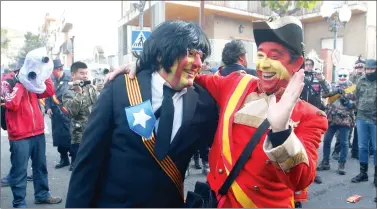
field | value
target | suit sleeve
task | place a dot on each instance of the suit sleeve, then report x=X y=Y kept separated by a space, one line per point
x=92 y=152
x=13 y=99
x=50 y=90
x=212 y=83
x=296 y=158
x=212 y=124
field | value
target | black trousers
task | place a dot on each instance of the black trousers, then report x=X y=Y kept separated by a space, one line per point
x=64 y=151
x=203 y=152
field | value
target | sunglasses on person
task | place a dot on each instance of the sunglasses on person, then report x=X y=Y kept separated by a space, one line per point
x=343 y=75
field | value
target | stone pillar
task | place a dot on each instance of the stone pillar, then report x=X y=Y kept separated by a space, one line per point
x=157 y=14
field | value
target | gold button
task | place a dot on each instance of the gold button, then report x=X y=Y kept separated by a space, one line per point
x=255 y=188
x=221 y=171
x=268 y=162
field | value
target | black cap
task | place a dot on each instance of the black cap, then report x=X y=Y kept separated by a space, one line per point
x=285 y=30
x=370 y=63
x=57 y=63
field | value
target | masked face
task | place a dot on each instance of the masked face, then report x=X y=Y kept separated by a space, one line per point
x=80 y=75
x=36 y=69
x=343 y=76
x=274 y=67
x=184 y=70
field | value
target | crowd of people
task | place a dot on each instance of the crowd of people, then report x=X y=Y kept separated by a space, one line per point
x=256 y=131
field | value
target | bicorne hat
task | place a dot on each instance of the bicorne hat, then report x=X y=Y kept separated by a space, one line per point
x=283 y=30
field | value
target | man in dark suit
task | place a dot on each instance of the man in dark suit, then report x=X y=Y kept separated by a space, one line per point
x=234 y=59
x=116 y=167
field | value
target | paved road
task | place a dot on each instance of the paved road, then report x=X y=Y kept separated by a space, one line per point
x=332 y=193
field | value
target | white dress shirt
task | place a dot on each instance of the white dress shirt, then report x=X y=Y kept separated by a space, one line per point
x=157 y=96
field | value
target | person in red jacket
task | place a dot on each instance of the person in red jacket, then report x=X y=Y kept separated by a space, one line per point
x=9 y=78
x=284 y=161
x=25 y=126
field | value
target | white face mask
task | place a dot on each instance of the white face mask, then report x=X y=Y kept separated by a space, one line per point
x=343 y=76
x=36 y=71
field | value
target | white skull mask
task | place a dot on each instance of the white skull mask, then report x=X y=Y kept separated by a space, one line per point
x=36 y=70
x=343 y=76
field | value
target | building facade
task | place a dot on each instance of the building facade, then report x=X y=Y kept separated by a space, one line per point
x=228 y=20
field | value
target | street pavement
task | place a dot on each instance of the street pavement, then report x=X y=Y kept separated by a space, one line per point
x=332 y=193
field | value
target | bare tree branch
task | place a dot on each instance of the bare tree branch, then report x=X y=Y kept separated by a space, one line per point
x=280 y=6
x=291 y=12
x=287 y=4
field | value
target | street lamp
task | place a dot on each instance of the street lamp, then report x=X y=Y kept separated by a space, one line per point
x=337 y=19
x=139 y=5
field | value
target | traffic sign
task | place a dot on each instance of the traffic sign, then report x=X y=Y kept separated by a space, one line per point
x=138 y=39
x=335 y=57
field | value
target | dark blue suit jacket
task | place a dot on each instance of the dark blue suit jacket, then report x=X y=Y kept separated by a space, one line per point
x=113 y=166
x=236 y=67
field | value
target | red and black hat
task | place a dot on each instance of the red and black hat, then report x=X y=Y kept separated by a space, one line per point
x=283 y=30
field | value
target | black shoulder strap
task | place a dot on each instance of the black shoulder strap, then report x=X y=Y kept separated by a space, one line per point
x=246 y=153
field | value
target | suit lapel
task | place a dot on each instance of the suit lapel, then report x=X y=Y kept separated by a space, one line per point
x=144 y=79
x=190 y=100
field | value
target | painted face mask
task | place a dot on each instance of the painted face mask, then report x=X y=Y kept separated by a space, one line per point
x=36 y=70
x=274 y=67
x=343 y=76
x=184 y=70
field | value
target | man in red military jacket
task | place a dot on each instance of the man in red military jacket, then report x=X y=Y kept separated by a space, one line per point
x=285 y=159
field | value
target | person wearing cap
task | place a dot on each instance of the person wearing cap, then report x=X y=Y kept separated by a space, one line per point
x=285 y=158
x=366 y=119
x=60 y=123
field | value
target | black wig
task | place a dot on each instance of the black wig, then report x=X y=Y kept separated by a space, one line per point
x=170 y=41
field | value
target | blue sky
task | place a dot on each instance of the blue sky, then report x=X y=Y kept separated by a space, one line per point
x=95 y=22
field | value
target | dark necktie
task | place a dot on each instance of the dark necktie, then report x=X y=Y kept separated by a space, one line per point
x=165 y=124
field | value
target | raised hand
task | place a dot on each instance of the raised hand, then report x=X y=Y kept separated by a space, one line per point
x=279 y=113
x=129 y=68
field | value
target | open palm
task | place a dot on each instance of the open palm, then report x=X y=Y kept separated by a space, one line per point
x=279 y=113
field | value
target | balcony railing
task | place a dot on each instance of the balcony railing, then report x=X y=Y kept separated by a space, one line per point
x=247 y=6
x=336 y=4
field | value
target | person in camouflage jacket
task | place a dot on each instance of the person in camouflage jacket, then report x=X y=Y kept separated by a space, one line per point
x=79 y=100
x=366 y=119
x=341 y=117
x=358 y=72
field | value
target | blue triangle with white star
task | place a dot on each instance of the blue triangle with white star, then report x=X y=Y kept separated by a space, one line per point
x=141 y=119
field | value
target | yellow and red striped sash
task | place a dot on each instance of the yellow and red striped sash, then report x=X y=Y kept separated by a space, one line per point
x=42 y=101
x=59 y=104
x=167 y=163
